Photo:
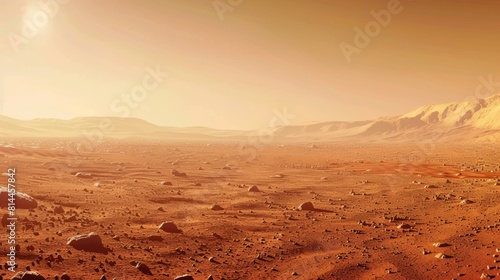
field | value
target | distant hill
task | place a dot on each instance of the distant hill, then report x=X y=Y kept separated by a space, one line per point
x=477 y=119
x=474 y=119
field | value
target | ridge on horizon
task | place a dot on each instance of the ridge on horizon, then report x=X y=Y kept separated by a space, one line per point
x=478 y=117
x=206 y=127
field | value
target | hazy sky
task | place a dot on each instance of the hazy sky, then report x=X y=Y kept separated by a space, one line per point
x=231 y=68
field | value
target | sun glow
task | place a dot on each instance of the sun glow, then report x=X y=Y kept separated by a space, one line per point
x=36 y=19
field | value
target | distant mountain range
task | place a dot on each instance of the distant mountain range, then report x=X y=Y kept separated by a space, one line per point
x=467 y=120
x=477 y=119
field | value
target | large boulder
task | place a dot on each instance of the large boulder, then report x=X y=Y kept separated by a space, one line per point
x=216 y=207
x=28 y=275
x=5 y=220
x=155 y=238
x=87 y=242
x=253 y=189
x=178 y=174
x=23 y=201
x=169 y=227
x=306 y=206
x=143 y=268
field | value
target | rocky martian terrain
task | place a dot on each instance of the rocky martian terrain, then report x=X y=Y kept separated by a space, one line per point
x=404 y=200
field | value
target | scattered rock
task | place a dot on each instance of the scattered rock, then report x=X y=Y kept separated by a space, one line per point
x=466 y=201
x=169 y=227
x=83 y=175
x=306 y=206
x=441 y=256
x=59 y=210
x=430 y=187
x=253 y=189
x=28 y=275
x=439 y=244
x=485 y=276
x=72 y=218
x=178 y=174
x=143 y=268
x=5 y=220
x=23 y=201
x=155 y=238
x=404 y=226
x=184 y=277
x=87 y=242
x=216 y=207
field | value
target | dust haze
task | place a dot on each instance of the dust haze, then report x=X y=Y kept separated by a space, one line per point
x=249 y=140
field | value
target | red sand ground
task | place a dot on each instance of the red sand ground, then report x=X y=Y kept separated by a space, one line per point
x=368 y=190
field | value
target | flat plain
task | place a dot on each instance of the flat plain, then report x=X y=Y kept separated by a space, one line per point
x=379 y=211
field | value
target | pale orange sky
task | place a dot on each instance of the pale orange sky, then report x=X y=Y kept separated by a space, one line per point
x=232 y=73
